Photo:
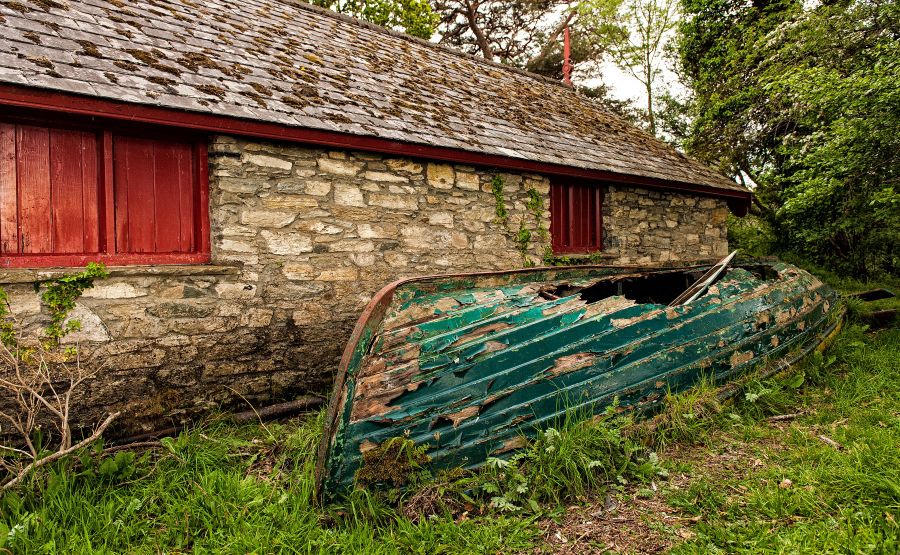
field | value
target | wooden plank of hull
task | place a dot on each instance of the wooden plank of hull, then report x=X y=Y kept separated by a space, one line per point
x=468 y=364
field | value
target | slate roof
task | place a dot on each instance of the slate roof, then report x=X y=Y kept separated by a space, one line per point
x=291 y=64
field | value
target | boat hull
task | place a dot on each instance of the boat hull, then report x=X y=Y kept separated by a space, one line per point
x=469 y=365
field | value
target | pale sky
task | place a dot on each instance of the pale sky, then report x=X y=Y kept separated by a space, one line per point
x=625 y=87
x=622 y=86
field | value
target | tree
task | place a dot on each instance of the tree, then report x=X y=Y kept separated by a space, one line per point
x=805 y=104
x=413 y=17
x=522 y=33
x=527 y=35
x=633 y=35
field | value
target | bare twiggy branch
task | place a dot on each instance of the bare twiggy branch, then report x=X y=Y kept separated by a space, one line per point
x=60 y=454
x=784 y=417
x=42 y=380
x=828 y=441
x=133 y=446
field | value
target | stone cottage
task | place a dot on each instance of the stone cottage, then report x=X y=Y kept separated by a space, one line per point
x=252 y=172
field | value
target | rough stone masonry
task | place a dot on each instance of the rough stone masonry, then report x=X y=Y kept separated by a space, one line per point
x=302 y=239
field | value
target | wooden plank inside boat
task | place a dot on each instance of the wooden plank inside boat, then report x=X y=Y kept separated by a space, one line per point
x=470 y=364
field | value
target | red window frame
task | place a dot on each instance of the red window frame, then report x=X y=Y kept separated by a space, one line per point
x=108 y=229
x=576 y=217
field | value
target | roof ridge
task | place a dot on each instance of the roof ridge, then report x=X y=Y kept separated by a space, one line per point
x=435 y=45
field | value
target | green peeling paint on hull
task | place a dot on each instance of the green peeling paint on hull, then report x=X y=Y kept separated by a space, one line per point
x=469 y=364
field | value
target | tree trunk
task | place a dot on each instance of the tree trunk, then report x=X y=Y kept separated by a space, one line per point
x=483 y=44
x=551 y=39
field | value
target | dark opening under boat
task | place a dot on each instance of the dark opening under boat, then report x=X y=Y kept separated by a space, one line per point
x=471 y=364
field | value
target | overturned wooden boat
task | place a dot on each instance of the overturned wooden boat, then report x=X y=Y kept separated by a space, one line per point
x=470 y=364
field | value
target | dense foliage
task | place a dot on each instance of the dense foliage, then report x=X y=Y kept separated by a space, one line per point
x=805 y=104
x=413 y=17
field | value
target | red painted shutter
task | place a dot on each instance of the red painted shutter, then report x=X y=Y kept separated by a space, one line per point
x=9 y=205
x=33 y=166
x=575 y=218
x=48 y=190
x=74 y=190
x=71 y=196
x=154 y=184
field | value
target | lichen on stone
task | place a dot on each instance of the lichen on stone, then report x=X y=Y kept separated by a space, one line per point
x=17 y=6
x=195 y=60
x=124 y=21
x=261 y=89
x=294 y=102
x=338 y=118
x=313 y=58
x=252 y=95
x=42 y=61
x=142 y=55
x=47 y=4
x=126 y=65
x=163 y=81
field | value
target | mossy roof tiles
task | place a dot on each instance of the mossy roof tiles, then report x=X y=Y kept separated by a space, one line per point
x=320 y=70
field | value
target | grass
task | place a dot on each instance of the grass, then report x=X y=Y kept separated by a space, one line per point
x=824 y=481
x=810 y=494
x=226 y=489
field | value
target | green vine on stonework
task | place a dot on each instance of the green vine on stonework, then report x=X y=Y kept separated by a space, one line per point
x=523 y=236
x=499 y=206
x=535 y=205
x=523 y=243
x=7 y=326
x=60 y=296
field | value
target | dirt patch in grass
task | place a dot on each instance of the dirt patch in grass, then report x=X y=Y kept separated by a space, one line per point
x=624 y=523
x=265 y=460
x=639 y=522
x=735 y=459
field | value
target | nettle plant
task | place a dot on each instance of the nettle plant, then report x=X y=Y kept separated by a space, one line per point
x=40 y=376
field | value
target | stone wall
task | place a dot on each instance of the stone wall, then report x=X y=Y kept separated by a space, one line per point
x=644 y=227
x=301 y=240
